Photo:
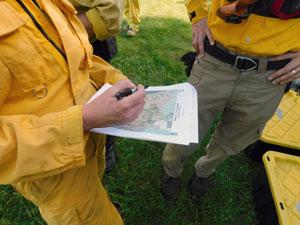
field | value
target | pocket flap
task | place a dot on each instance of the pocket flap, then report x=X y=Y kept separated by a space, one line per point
x=10 y=19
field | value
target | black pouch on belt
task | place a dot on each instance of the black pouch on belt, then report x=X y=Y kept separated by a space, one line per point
x=188 y=59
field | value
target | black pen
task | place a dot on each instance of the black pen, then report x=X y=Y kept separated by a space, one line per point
x=126 y=92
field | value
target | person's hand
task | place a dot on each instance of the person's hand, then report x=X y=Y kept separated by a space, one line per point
x=200 y=31
x=106 y=110
x=288 y=73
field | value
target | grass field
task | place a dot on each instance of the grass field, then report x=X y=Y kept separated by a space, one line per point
x=152 y=58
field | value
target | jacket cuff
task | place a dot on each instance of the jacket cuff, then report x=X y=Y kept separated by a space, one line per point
x=198 y=13
x=197 y=10
x=98 y=25
x=72 y=136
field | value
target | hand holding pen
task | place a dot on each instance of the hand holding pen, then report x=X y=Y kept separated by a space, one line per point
x=107 y=109
x=126 y=92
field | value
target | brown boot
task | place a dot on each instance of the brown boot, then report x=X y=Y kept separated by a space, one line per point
x=198 y=187
x=170 y=187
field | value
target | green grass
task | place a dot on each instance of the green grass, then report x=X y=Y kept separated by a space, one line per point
x=152 y=58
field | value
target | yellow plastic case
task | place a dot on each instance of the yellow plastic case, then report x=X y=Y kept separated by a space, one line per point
x=283 y=173
x=283 y=128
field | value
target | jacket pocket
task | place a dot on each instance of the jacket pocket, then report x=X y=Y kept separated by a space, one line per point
x=67 y=217
x=24 y=52
x=39 y=190
x=10 y=19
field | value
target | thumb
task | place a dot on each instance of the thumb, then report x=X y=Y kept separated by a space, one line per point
x=289 y=55
x=123 y=84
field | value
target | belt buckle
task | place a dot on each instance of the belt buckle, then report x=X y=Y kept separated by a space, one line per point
x=242 y=58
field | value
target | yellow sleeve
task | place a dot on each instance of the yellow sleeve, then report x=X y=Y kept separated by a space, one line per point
x=104 y=15
x=102 y=72
x=197 y=9
x=34 y=147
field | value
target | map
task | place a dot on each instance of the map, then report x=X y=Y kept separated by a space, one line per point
x=160 y=110
x=170 y=115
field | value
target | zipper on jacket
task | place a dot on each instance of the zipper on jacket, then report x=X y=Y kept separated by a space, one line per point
x=40 y=28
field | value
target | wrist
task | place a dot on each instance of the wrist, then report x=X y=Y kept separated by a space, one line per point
x=85 y=120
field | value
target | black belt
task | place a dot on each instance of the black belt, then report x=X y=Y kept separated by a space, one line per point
x=243 y=63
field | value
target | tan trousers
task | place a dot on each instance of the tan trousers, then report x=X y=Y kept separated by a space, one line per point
x=75 y=197
x=247 y=100
x=132 y=13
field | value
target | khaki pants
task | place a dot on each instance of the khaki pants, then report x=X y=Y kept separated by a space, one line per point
x=247 y=100
x=75 y=197
x=132 y=13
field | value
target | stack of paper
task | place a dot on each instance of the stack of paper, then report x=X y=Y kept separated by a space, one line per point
x=170 y=115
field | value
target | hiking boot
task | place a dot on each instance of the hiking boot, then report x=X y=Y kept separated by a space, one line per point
x=170 y=187
x=198 y=187
x=131 y=32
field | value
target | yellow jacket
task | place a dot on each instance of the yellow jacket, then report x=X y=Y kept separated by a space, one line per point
x=104 y=15
x=41 y=94
x=255 y=36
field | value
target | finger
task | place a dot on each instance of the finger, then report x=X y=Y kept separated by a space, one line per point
x=281 y=80
x=289 y=55
x=123 y=84
x=137 y=111
x=286 y=77
x=132 y=116
x=140 y=94
x=209 y=36
x=195 y=42
x=133 y=113
x=275 y=75
x=119 y=87
x=289 y=79
x=136 y=98
x=286 y=69
x=141 y=86
x=201 y=45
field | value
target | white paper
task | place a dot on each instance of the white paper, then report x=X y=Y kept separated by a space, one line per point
x=194 y=129
x=170 y=115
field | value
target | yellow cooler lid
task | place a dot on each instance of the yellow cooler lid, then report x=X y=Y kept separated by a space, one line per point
x=283 y=173
x=283 y=128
